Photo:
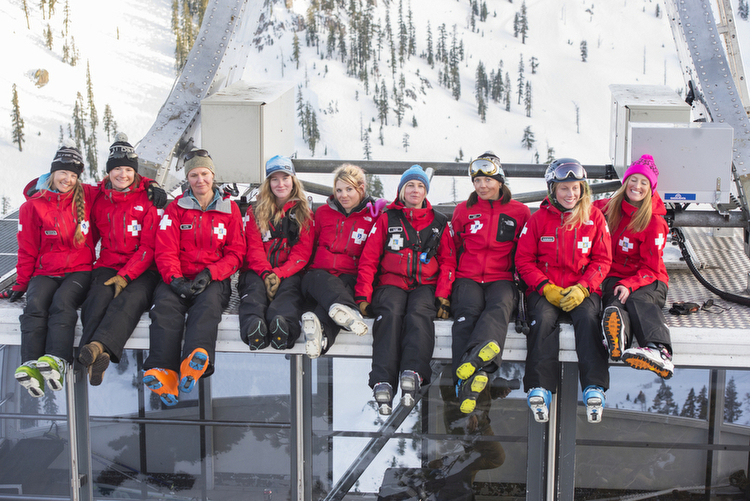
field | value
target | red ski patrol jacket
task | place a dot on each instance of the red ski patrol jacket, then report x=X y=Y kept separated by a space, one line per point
x=393 y=249
x=486 y=235
x=550 y=251
x=285 y=249
x=339 y=237
x=638 y=258
x=47 y=225
x=189 y=239
x=126 y=222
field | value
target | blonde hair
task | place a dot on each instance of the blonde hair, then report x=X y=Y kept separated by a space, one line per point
x=581 y=213
x=266 y=209
x=403 y=190
x=352 y=175
x=79 y=205
x=613 y=211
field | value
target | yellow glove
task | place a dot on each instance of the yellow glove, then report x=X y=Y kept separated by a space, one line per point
x=553 y=293
x=365 y=309
x=272 y=283
x=119 y=282
x=443 y=308
x=574 y=296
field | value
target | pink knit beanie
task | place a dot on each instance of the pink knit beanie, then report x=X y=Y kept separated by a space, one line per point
x=646 y=167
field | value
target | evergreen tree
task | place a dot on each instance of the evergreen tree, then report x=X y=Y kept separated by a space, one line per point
x=73 y=52
x=688 y=408
x=48 y=37
x=516 y=24
x=49 y=405
x=534 y=63
x=484 y=12
x=42 y=6
x=702 y=404
x=65 y=51
x=430 y=55
x=732 y=406
x=412 y=33
x=91 y=143
x=108 y=121
x=124 y=363
x=481 y=107
x=405 y=142
x=26 y=13
x=314 y=135
x=60 y=137
x=521 y=79
x=6 y=205
x=663 y=402
x=527 y=99
x=414 y=121
x=66 y=18
x=523 y=23
x=296 y=50
x=31 y=405
x=550 y=154
x=742 y=10
x=455 y=78
x=79 y=122
x=383 y=105
x=50 y=7
x=584 y=50
x=441 y=52
x=16 y=121
x=367 y=150
x=528 y=138
x=640 y=399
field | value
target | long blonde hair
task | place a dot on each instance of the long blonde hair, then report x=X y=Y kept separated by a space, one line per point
x=267 y=211
x=79 y=205
x=640 y=219
x=581 y=213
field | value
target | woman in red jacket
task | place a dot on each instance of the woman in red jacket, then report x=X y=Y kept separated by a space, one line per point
x=279 y=237
x=341 y=228
x=125 y=275
x=486 y=229
x=635 y=289
x=563 y=255
x=55 y=254
x=199 y=245
x=410 y=259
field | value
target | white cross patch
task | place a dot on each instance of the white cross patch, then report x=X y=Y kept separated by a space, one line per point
x=396 y=243
x=625 y=243
x=476 y=226
x=220 y=231
x=20 y=227
x=359 y=236
x=134 y=228
x=165 y=222
x=85 y=227
x=584 y=245
x=660 y=241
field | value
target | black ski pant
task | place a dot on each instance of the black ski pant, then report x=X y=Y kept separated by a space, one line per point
x=642 y=315
x=325 y=289
x=169 y=326
x=403 y=334
x=48 y=322
x=481 y=313
x=111 y=320
x=254 y=304
x=543 y=344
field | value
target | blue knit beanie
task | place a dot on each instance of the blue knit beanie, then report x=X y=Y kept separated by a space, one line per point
x=414 y=172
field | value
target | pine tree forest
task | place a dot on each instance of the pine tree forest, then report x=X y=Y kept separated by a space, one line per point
x=377 y=50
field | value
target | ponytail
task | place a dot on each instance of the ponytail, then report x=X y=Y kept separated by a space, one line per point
x=79 y=205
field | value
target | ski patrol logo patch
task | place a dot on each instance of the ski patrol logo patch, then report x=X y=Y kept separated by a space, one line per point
x=220 y=231
x=367 y=218
x=359 y=236
x=625 y=244
x=395 y=229
x=476 y=226
x=396 y=243
x=186 y=226
x=474 y=216
x=134 y=228
x=584 y=245
x=267 y=236
x=165 y=223
x=543 y=239
x=85 y=227
x=138 y=208
x=660 y=241
x=50 y=233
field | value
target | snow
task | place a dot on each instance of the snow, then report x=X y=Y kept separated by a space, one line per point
x=129 y=48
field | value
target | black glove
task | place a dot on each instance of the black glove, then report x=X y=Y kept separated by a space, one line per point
x=157 y=195
x=201 y=281
x=182 y=287
x=15 y=296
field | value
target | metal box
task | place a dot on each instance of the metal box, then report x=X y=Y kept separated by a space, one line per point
x=640 y=103
x=245 y=124
x=694 y=160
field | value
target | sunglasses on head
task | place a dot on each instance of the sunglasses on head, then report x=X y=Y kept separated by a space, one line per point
x=122 y=152
x=197 y=153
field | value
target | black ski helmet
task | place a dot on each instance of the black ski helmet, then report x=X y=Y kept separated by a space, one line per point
x=560 y=171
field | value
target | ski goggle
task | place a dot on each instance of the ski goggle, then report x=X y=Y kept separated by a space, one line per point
x=196 y=153
x=568 y=171
x=486 y=167
x=122 y=152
